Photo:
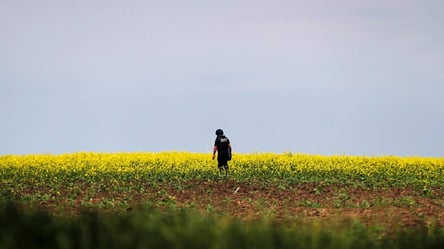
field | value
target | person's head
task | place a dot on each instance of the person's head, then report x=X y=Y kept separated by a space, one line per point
x=219 y=132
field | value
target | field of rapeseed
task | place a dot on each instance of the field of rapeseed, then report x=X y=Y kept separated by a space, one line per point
x=304 y=193
x=293 y=168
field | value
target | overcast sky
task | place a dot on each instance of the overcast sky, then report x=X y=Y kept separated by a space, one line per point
x=319 y=77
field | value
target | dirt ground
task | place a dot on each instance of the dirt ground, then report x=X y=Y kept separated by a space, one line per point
x=388 y=207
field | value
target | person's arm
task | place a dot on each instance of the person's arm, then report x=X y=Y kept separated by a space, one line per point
x=214 y=151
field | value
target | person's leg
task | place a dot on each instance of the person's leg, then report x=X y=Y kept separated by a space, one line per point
x=220 y=165
x=223 y=165
x=226 y=168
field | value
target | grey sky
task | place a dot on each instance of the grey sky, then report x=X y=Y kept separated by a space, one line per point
x=319 y=77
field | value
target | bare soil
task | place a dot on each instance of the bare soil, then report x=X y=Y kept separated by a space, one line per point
x=390 y=207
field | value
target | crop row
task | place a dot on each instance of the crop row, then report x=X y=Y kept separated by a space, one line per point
x=286 y=167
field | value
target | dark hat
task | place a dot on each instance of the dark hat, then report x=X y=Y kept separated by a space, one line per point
x=219 y=132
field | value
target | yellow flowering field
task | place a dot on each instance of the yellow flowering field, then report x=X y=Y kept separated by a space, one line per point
x=293 y=168
x=386 y=190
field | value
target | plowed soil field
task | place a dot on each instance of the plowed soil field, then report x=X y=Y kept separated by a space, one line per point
x=390 y=207
x=405 y=207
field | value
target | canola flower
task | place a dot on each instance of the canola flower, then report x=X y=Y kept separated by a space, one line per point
x=293 y=168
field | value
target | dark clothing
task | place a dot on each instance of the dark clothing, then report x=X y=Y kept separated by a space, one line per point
x=223 y=151
x=222 y=162
x=222 y=143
